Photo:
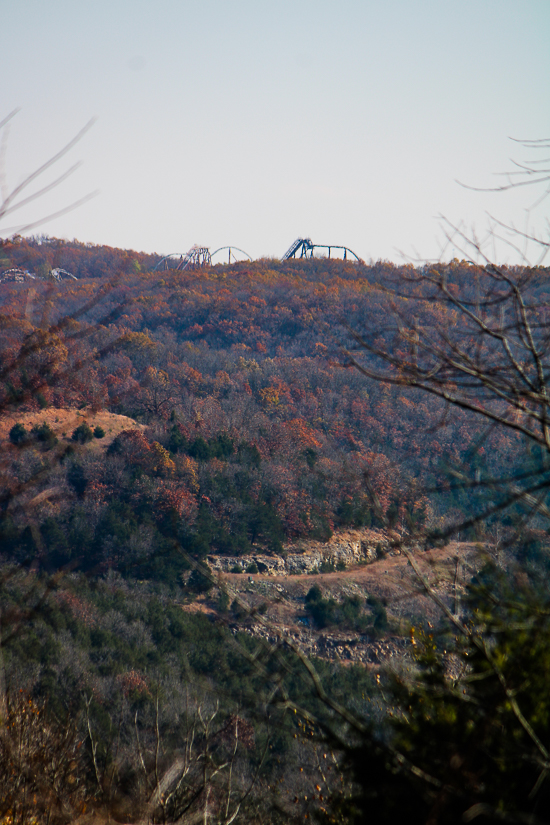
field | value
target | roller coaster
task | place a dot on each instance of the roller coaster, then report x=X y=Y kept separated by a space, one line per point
x=200 y=256
x=17 y=276
x=304 y=248
x=231 y=253
x=62 y=274
x=21 y=275
x=197 y=257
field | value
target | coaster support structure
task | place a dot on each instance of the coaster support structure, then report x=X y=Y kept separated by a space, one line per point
x=196 y=258
x=304 y=248
x=231 y=253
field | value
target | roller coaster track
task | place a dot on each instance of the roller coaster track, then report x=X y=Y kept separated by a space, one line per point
x=200 y=256
x=302 y=244
x=306 y=248
x=196 y=258
x=21 y=275
x=232 y=250
x=59 y=274
x=17 y=275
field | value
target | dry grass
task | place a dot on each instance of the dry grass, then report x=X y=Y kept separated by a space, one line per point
x=64 y=421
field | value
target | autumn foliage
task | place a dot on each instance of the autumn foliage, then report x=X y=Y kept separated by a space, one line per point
x=256 y=430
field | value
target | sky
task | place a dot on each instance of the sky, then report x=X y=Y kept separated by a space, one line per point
x=255 y=122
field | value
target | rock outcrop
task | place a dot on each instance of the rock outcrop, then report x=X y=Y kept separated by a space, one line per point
x=335 y=645
x=341 y=551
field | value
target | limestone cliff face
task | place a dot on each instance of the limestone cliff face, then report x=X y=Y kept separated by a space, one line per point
x=351 y=547
x=335 y=645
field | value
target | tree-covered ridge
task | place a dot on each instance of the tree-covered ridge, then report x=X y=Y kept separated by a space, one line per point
x=257 y=432
x=39 y=255
x=253 y=423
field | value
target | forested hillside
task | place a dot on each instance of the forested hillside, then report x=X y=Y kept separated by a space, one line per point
x=257 y=431
x=151 y=419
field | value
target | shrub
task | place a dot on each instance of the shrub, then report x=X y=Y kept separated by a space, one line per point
x=320 y=529
x=351 y=609
x=177 y=441
x=18 y=434
x=45 y=435
x=252 y=567
x=379 y=615
x=99 y=432
x=200 y=449
x=325 y=612
x=222 y=446
x=83 y=433
x=223 y=601
x=380 y=552
x=200 y=580
x=310 y=456
x=77 y=478
x=321 y=610
x=314 y=594
x=237 y=610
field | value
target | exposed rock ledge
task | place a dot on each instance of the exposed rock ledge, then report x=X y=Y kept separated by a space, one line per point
x=336 y=646
x=345 y=548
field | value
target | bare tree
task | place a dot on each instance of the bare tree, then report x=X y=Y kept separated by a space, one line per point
x=534 y=172
x=476 y=335
x=23 y=194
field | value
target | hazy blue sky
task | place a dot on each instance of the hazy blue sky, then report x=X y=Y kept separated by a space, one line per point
x=253 y=122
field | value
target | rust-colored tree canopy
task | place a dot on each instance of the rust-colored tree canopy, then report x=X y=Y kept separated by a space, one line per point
x=160 y=430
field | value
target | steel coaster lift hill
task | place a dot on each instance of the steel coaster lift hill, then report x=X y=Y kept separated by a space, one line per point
x=305 y=248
